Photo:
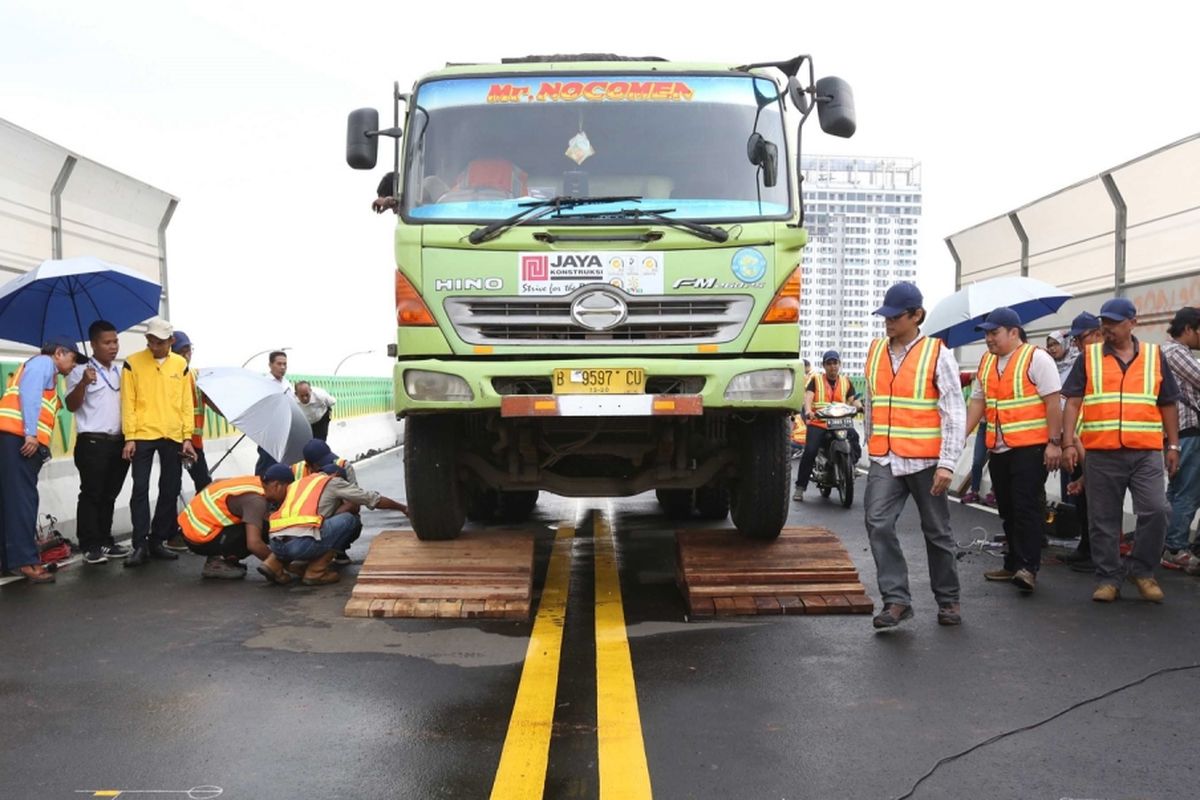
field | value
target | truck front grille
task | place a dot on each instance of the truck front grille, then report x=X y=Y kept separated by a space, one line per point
x=651 y=319
x=655 y=384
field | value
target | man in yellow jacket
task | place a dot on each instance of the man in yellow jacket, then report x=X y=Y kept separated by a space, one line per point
x=157 y=418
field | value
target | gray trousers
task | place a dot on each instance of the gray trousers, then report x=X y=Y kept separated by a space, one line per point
x=886 y=495
x=1107 y=475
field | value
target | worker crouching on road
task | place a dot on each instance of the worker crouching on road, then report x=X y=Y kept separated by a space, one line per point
x=314 y=523
x=916 y=422
x=226 y=521
x=1126 y=393
x=317 y=457
x=1017 y=388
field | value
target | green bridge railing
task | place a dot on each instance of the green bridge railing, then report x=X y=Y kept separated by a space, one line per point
x=356 y=397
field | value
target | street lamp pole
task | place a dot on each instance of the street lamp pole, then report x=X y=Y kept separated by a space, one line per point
x=347 y=358
x=263 y=353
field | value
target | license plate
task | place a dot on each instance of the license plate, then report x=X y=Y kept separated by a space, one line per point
x=600 y=380
x=838 y=423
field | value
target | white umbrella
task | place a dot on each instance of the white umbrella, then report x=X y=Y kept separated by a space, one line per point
x=258 y=407
x=954 y=319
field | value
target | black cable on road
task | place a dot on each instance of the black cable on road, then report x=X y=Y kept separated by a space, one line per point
x=1023 y=729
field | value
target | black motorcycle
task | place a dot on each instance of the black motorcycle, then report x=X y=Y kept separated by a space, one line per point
x=834 y=467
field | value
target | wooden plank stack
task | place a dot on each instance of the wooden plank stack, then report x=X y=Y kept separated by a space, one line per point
x=805 y=571
x=481 y=574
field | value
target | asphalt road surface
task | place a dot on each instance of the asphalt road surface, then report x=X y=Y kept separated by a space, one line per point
x=153 y=683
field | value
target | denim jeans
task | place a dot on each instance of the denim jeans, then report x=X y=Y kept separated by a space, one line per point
x=1183 y=493
x=19 y=502
x=336 y=534
x=979 y=457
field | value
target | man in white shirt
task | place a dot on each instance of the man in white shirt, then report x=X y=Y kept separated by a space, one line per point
x=317 y=405
x=94 y=397
x=277 y=363
x=1017 y=389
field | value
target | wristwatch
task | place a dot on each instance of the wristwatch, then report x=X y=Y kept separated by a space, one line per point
x=1174 y=447
x=1056 y=441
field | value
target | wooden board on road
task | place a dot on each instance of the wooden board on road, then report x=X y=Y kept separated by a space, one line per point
x=805 y=571
x=481 y=574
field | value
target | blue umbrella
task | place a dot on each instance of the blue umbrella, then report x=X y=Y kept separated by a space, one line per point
x=65 y=294
x=954 y=319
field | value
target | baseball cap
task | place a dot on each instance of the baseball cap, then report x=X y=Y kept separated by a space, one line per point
x=181 y=341
x=1118 y=309
x=315 y=451
x=160 y=328
x=1002 y=317
x=278 y=473
x=1083 y=323
x=900 y=298
x=67 y=343
x=830 y=355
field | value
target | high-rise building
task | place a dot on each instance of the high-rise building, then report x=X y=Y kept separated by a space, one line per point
x=861 y=215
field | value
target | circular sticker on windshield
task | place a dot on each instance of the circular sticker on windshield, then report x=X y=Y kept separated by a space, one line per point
x=749 y=265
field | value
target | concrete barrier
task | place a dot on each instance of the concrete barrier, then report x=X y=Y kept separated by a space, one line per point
x=354 y=438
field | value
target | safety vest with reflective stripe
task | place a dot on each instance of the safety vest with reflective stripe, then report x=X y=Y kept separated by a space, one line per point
x=299 y=508
x=11 y=420
x=1013 y=402
x=823 y=397
x=1120 y=408
x=197 y=415
x=904 y=405
x=208 y=512
x=300 y=468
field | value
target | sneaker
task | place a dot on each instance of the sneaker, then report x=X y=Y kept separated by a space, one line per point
x=217 y=567
x=1177 y=559
x=115 y=551
x=969 y=497
x=990 y=500
x=1148 y=588
x=95 y=557
x=998 y=575
x=176 y=543
x=342 y=557
x=1194 y=567
x=1106 y=593
x=798 y=495
x=1024 y=580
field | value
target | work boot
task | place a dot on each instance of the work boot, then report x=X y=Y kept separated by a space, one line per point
x=1024 y=580
x=272 y=569
x=1148 y=588
x=297 y=568
x=1106 y=593
x=892 y=615
x=998 y=575
x=159 y=550
x=319 y=573
x=798 y=495
x=949 y=614
x=218 y=567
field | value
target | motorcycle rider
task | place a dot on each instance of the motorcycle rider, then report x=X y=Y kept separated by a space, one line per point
x=822 y=390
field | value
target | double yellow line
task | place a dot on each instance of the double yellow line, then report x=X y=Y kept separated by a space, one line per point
x=622 y=753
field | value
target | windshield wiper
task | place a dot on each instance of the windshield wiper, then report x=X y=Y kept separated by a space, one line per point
x=659 y=215
x=537 y=209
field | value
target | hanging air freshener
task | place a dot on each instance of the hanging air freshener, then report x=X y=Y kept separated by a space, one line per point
x=579 y=149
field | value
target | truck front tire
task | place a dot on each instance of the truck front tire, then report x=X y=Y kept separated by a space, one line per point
x=436 y=505
x=759 y=497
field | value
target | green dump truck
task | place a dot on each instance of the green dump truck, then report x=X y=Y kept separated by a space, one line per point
x=598 y=282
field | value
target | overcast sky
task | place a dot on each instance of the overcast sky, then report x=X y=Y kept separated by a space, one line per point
x=238 y=108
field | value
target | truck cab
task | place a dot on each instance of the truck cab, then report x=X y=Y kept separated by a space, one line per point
x=598 y=282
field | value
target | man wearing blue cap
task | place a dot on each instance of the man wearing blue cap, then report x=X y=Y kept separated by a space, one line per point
x=1125 y=392
x=28 y=412
x=1017 y=390
x=822 y=390
x=916 y=426
x=1085 y=330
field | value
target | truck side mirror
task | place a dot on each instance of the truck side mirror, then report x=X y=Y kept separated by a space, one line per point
x=835 y=107
x=764 y=154
x=362 y=141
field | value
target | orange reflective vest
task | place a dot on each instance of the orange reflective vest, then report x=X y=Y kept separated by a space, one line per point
x=11 y=420
x=1120 y=408
x=208 y=512
x=197 y=414
x=799 y=431
x=299 y=509
x=822 y=397
x=300 y=468
x=1013 y=402
x=904 y=405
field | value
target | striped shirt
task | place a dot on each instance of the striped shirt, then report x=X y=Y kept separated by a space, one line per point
x=951 y=407
x=1187 y=376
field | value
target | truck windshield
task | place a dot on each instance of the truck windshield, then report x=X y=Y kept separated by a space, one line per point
x=479 y=147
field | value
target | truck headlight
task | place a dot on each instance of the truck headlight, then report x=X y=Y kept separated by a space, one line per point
x=762 y=384
x=424 y=385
